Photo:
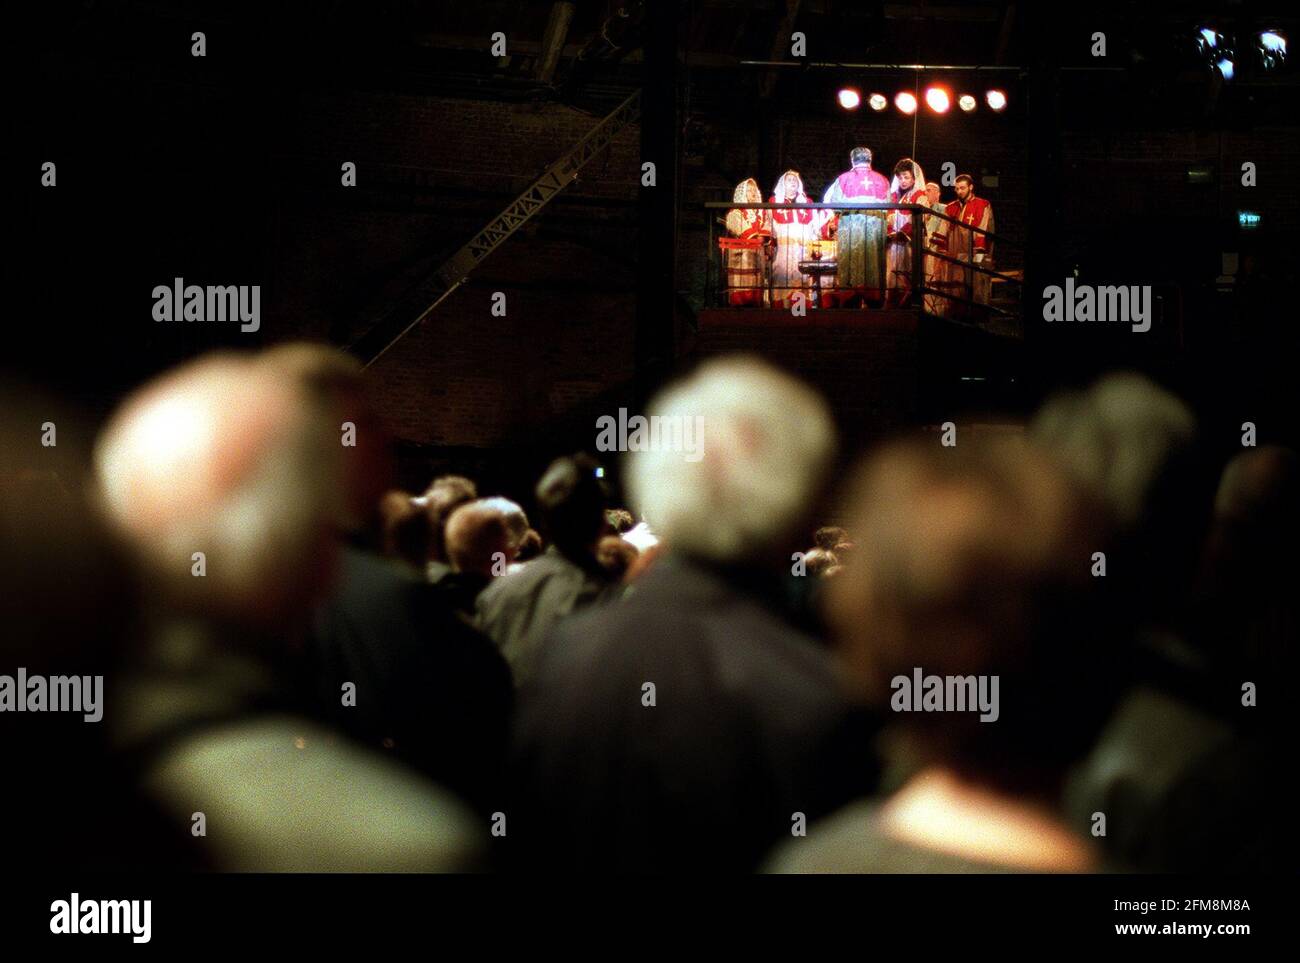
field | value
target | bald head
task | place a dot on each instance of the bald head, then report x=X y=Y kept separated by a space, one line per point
x=228 y=458
x=478 y=535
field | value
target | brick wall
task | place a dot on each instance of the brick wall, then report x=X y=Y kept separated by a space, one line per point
x=432 y=171
x=430 y=175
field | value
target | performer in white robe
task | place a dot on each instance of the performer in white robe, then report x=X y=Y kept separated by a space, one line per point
x=907 y=187
x=749 y=267
x=860 y=235
x=936 y=269
x=794 y=231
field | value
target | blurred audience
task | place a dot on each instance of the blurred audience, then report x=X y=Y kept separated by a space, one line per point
x=1179 y=785
x=619 y=520
x=616 y=556
x=530 y=546
x=444 y=495
x=976 y=568
x=305 y=669
x=480 y=546
x=518 y=611
x=683 y=727
x=232 y=511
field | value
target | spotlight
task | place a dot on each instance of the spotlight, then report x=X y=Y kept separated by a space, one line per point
x=1272 y=49
x=905 y=102
x=1209 y=39
x=966 y=102
x=849 y=98
x=936 y=98
x=996 y=99
x=1224 y=67
x=878 y=101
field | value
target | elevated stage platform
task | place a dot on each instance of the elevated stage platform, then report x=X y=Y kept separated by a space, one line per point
x=882 y=370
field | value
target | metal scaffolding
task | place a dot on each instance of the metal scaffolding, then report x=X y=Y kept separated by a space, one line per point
x=372 y=345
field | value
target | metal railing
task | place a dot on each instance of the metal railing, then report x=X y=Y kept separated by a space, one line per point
x=859 y=256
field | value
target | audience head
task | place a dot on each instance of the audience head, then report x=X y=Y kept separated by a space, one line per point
x=515 y=518
x=828 y=536
x=975 y=562
x=768 y=444
x=1251 y=567
x=571 y=500
x=406 y=529
x=616 y=556
x=530 y=546
x=478 y=538
x=227 y=457
x=1133 y=445
x=818 y=561
x=619 y=520
x=446 y=494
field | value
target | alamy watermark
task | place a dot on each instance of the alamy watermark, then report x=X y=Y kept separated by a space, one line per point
x=1084 y=302
x=946 y=693
x=57 y=693
x=215 y=302
x=682 y=433
x=130 y=916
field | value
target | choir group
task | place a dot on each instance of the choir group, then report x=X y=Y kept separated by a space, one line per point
x=798 y=257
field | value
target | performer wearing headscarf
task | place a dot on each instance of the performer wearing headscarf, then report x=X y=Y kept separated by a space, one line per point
x=749 y=266
x=907 y=187
x=794 y=230
x=936 y=270
x=860 y=235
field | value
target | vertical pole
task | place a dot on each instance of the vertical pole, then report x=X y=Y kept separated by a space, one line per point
x=657 y=205
x=1043 y=258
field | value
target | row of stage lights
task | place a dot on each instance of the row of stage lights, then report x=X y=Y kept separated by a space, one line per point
x=1270 y=47
x=938 y=99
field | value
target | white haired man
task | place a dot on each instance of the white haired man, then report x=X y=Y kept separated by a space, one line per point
x=680 y=728
x=233 y=511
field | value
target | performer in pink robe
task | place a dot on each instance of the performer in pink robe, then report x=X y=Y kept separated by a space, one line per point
x=907 y=187
x=749 y=265
x=794 y=231
x=860 y=235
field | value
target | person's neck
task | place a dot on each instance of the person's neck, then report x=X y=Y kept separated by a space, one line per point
x=937 y=810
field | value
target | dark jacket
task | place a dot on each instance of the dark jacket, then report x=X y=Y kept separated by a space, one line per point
x=747 y=729
x=519 y=608
x=430 y=688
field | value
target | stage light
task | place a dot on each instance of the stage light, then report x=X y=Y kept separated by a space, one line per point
x=1224 y=67
x=1272 y=49
x=996 y=99
x=966 y=102
x=878 y=101
x=849 y=98
x=1209 y=38
x=936 y=98
x=905 y=102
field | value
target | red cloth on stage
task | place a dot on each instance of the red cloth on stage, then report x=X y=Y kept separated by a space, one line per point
x=789 y=216
x=976 y=212
x=900 y=222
